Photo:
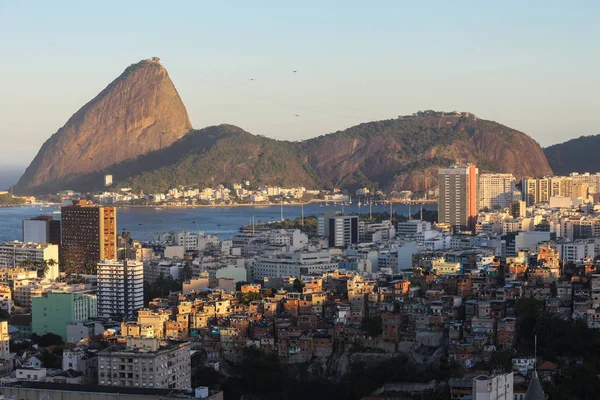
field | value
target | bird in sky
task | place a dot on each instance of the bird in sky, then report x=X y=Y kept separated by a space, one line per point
x=297 y=115
x=295 y=71
x=251 y=79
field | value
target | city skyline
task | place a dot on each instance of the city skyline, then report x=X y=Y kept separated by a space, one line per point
x=244 y=75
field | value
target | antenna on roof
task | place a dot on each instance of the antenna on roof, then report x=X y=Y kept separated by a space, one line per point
x=535 y=356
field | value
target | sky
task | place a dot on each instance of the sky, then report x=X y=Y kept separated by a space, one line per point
x=532 y=65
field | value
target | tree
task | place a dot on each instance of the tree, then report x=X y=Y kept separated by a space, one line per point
x=187 y=271
x=373 y=325
x=249 y=297
x=298 y=285
x=26 y=263
x=49 y=339
x=44 y=268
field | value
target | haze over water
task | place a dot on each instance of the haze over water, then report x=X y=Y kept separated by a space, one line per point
x=222 y=221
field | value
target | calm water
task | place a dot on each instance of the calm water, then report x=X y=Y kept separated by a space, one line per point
x=223 y=221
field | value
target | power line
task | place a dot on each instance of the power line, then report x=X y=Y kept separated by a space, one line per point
x=265 y=99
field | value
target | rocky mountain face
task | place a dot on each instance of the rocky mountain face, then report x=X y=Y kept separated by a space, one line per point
x=403 y=153
x=137 y=129
x=575 y=155
x=139 y=112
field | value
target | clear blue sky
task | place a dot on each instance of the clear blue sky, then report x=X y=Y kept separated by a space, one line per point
x=530 y=65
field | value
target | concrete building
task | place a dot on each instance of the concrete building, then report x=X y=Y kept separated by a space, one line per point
x=342 y=230
x=517 y=209
x=89 y=233
x=12 y=253
x=496 y=387
x=4 y=339
x=457 y=202
x=412 y=227
x=120 y=287
x=146 y=362
x=41 y=229
x=496 y=191
x=292 y=264
x=55 y=310
x=40 y=390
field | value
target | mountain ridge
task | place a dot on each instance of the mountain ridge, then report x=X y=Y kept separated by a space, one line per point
x=137 y=112
x=575 y=155
x=399 y=153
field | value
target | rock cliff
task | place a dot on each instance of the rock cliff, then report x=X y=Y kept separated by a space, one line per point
x=139 y=112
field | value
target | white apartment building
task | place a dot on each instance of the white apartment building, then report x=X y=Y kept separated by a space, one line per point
x=292 y=264
x=578 y=250
x=496 y=387
x=412 y=227
x=12 y=253
x=496 y=191
x=120 y=287
x=146 y=363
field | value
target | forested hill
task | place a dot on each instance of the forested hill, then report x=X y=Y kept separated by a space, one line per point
x=402 y=153
x=575 y=155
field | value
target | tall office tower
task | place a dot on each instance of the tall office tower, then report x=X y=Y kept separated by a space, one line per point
x=41 y=229
x=457 y=202
x=120 y=287
x=89 y=233
x=342 y=230
x=496 y=190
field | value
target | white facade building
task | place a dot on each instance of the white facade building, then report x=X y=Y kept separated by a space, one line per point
x=497 y=387
x=292 y=264
x=496 y=191
x=12 y=253
x=412 y=227
x=120 y=287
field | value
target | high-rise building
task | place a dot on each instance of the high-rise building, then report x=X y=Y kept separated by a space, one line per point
x=496 y=191
x=41 y=229
x=52 y=312
x=4 y=339
x=120 y=287
x=516 y=209
x=538 y=190
x=457 y=202
x=342 y=230
x=146 y=363
x=89 y=233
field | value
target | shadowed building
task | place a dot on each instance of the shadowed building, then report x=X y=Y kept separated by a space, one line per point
x=89 y=233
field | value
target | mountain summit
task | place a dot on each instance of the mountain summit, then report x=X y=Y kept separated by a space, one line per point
x=139 y=112
x=137 y=129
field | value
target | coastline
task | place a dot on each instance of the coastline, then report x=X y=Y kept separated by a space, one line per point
x=172 y=206
x=166 y=206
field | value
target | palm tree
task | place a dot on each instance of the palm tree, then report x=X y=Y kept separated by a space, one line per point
x=69 y=269
x=26 y=263
x=44 y=267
